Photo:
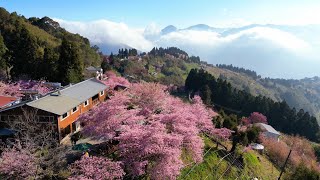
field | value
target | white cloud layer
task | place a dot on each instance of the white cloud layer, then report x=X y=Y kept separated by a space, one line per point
x=270 y=50
x=104 y=31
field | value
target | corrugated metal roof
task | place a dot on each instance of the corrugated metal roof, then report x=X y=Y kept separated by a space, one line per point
x=267 y=128
x=84 y=90
x=55 y=104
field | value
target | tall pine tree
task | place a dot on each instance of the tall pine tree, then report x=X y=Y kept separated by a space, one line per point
x=25 y=58
x=70 y=66
x=48 y=67
x=3 y=50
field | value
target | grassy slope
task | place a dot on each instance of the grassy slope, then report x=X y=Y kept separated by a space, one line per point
x=213 y=168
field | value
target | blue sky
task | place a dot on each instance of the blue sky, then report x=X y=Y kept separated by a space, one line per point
x=181 y=13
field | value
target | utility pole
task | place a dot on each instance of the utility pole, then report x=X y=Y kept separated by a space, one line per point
x=285 y=163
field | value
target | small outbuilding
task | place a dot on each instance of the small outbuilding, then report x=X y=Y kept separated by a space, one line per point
x=268 y=131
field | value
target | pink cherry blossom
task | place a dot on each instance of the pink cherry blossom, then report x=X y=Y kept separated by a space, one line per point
x=153 y=128
x=14 y=88
x=17 y=164
x=112 y=80
x=95 y=168
x=254 y=117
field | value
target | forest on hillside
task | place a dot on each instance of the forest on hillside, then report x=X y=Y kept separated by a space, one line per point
x=220 y=93
x=299 y=93
x=38 y=48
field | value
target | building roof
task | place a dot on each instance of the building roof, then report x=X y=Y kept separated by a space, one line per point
x=62 y=101
x=257 y=146
x=56 y=104
x=84 y=90
x=266 y=127
x=93 y=69
x=5 y=100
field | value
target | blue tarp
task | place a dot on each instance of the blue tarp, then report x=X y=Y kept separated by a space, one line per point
x=6 y=132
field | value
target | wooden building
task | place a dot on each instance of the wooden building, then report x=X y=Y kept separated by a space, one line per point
x=60 y=108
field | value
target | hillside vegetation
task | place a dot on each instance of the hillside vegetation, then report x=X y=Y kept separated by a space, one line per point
x=33 y=48
x=222 y=94
x=300 y=94
x=171 y=66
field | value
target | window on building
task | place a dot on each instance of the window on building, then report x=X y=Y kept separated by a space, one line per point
x=45 y=118
x=65 y=115
x=101 y=93
x=75 y=109
x=86 y=103
x=95 y=97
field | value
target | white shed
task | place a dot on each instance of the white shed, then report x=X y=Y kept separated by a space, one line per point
x=268 y=130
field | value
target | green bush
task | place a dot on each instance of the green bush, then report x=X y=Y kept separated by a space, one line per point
x=303 y=173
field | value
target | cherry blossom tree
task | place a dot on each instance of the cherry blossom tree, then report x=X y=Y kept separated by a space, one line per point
x=10 y=89
x=95 y=168
x=257 y=117
x=254 y=117
x=24 y=157
x=302 y=151
x=34 y=85
x=14 y=88
x=17 y=164
x=149 y=149
x=113 y=80
x=152 y=128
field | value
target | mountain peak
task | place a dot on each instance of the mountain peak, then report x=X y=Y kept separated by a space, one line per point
x=168 y=29
x=199 y=27
x=204 y=27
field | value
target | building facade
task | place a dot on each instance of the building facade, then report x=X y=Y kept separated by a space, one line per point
x=61 y=108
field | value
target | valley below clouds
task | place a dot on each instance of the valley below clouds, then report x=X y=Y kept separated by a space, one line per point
x=276 y=51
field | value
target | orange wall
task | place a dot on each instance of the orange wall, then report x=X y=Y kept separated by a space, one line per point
x=103 y=97
x=69 y=120
x=86 y=108
x=81 y=109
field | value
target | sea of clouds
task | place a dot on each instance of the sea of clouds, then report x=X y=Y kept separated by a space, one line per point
x=271 y=51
